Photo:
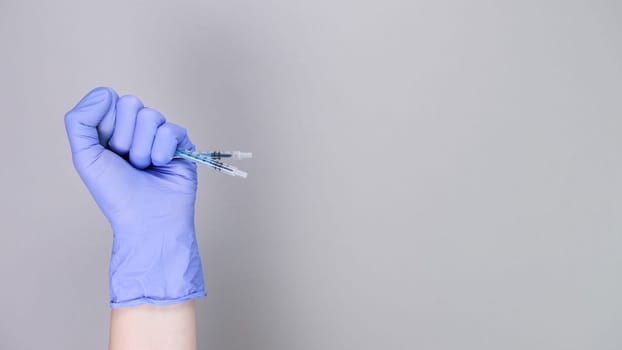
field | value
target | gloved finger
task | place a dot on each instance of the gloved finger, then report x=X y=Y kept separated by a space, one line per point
x=105 y=127
x=82 y=121
x=168 y=137
x=147 y=123
x=127 y=108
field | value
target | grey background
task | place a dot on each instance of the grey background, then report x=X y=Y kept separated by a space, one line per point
x=427 y=174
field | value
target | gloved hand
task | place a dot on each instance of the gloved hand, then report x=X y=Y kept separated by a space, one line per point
x=124 y=154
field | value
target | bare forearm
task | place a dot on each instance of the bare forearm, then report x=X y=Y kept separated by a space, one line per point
x=153 y=327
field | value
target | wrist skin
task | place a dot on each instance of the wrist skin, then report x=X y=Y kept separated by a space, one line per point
x=154 y=327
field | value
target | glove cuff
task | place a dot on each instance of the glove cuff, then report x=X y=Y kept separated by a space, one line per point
x=159 y=269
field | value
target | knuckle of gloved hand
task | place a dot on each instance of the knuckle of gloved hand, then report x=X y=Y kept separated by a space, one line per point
x=151 y=116
x=130 y=101
x=175 y=131
x=166 y=131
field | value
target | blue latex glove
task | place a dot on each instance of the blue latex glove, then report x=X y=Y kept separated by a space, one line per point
x=124 y=154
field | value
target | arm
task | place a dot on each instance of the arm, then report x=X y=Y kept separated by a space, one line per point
x=153 y=327
x=124 y=154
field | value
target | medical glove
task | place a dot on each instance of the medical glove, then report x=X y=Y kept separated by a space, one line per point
x=124 y=154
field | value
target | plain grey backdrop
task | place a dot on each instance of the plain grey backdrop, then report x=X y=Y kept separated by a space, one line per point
x=427 y=174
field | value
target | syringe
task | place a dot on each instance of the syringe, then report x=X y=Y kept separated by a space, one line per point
x=211 y=159
x=227 y=154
